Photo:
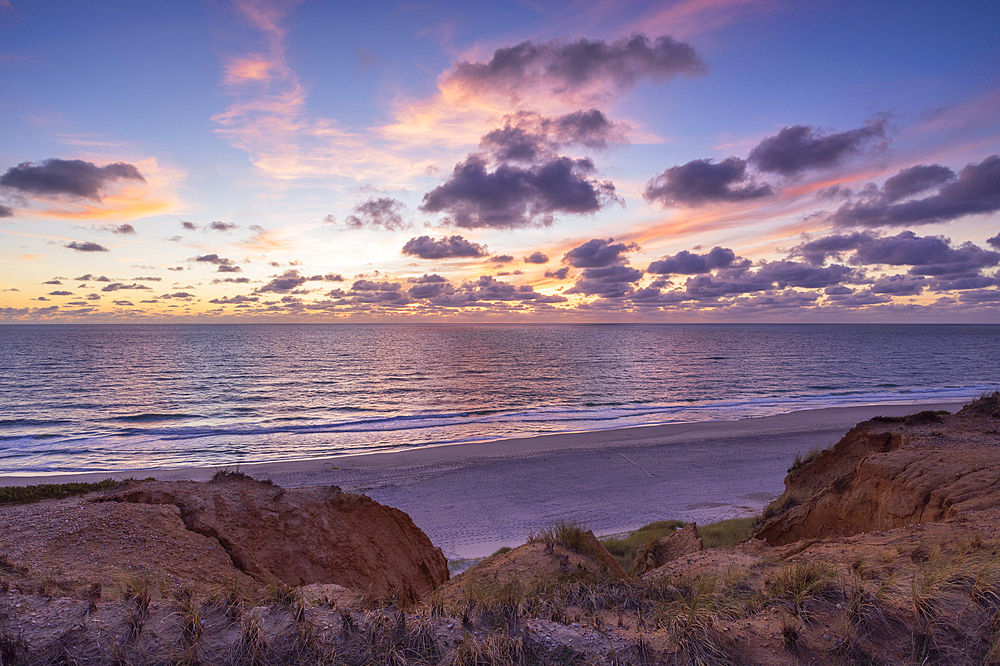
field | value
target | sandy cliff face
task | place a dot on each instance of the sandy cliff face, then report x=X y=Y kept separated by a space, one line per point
x=303 y=535
x=889 y=473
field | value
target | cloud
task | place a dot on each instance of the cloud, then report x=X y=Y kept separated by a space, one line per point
x=88 y=277
x=529 y=137
x=190 y=226
x=5 y=211
x=608 y=282
x=284 y=283
x=240 y=298
x=426 y=247
x=799 y=148
x=537 y=257
x=899 y=285
x=688 y=263
x=224 y=265
x=118 y=286
x=975 y=191
x=77 y=178
x=995 y=241
x=701 y=181
x=124 y=229
x=217 y=225
x=60 y=293
x=598 y=253
x=510 y=196
x=574 y=69
x=926 y=255
x=501 y=259
x=86 y=247
x=914 y=180
x=558 y=274
x=378 y=213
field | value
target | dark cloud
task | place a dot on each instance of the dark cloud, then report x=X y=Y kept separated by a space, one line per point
x=6 y=211
x=234 y=299
x=558 y=274
x=182 y=295
x=538 y=257
x=284 y=283
x=568 y=68
x=501 y=259
x=488 y=290
x=60 y=293
x=379 y=213
x=52 y=282
x=175 y=268
x=224 y=265
x=975 y=191
x=688 y=263
x=995 y=241
x=125 y=229
x=148 y=278
x=598 y=253
x=239 y=280
x=512 y=196
x=529 y=137
x=72 y=177
x=124 y=303
x=608 y=282
x=816 y=251
x=119 y=286
x=190 y=226
x=914 y=180
x=88 y=277
x=217 y=225
x=426 y=247
x=795 y=149
x=701 y=181
x=799 y=274
x=86 y=247
x=927 y=255
x=329 y=277
x=899 y=285
x=93 y=297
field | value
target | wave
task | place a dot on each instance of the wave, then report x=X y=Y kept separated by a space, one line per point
x=594 y=416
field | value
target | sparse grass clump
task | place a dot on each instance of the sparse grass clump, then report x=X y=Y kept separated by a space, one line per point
x=625 y=548
x=37 y=493
x=727 y=533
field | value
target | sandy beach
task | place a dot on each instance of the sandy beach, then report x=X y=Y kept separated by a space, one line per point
x=473 y=498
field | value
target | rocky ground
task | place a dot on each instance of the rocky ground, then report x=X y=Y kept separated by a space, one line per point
x=883 y=549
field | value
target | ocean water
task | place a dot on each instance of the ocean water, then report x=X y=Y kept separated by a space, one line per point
x=120 y=397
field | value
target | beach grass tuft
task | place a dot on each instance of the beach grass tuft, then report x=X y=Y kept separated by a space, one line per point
x=43 y=491
x=625 y=548
x=727 y=533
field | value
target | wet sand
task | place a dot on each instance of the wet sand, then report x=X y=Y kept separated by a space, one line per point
x=473 y=498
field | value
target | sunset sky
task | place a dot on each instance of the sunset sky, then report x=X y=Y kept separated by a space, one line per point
x=578 y=161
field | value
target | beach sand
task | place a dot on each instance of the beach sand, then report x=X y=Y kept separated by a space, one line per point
x=473 y=498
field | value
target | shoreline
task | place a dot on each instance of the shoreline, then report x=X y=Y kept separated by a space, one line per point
x=472 y=498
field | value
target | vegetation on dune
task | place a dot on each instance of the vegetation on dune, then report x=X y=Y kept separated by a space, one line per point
x=727 y=533
x=37 y=493
x=625 y=548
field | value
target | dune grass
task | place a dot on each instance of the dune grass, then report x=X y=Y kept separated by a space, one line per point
x=37 y=493
x=624 y=549
x=727 y=532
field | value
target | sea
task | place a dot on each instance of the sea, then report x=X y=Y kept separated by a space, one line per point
x=113 y=398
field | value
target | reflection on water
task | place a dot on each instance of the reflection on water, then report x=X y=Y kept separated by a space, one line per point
x=116 y=397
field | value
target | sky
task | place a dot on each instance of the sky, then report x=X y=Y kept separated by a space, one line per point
x=566 y=161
